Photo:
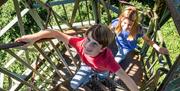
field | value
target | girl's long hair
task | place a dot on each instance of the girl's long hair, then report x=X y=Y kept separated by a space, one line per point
x=130 y=13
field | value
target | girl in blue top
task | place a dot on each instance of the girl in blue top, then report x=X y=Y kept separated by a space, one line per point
x=128 y=31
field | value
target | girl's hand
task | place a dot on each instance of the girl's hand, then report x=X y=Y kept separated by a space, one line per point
x=29 y=39
x=163 y=50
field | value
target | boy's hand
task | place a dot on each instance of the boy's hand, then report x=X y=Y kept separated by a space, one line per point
x=29 y=39
x=163 y=50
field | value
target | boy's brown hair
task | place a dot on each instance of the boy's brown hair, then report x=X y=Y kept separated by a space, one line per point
x=102 y=34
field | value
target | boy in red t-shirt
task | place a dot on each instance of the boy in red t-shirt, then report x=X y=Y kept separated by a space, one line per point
x=93 y=51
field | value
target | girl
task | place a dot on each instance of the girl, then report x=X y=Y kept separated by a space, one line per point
x=128 y=31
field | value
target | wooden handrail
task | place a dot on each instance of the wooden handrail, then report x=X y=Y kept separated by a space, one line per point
x=11 y=45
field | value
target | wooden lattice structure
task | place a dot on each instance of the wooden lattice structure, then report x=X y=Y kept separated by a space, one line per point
x=55 y=62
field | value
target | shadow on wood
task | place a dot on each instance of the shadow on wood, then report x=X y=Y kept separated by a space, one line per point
x=133 y=67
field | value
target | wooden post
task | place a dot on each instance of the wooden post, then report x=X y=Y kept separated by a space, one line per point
x=174 y=7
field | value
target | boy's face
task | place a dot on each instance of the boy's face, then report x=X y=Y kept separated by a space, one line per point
x=91 y=46
x=126 y=24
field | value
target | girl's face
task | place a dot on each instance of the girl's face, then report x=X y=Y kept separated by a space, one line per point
x=91 y=46
x=126 y=24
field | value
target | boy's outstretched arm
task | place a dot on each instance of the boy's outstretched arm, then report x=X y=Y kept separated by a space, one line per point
x=127 y=80
x=48 y=33
x=153 y=44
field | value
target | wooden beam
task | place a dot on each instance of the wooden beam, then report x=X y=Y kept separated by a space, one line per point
x=20 y=22
x=174 y=7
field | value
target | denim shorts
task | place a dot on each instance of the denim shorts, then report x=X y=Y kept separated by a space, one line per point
x=84 y=75
x=121 y=54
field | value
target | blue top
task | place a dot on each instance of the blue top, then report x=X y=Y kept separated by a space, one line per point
x=121 y=38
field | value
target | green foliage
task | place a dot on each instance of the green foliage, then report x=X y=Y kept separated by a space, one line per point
x=30 y=26
x=171 y=38
x=6 y=15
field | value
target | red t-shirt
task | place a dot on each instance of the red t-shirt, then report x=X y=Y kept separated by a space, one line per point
x=102 y=62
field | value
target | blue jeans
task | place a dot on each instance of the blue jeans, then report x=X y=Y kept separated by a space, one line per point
x=84 y=75
x=121 y=54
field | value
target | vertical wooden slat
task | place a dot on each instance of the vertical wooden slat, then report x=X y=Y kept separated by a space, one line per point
x=65 y=12
x=107 y=10
x=79 y=10
x=76 y=6
x=57 y=22
x=88 y=12
x=20 y=23
x=96 y=11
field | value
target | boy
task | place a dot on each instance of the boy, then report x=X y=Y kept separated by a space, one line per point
x=93 y=51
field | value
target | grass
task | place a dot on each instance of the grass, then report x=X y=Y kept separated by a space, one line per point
x=171 y=38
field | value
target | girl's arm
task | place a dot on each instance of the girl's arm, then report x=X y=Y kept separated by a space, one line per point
x=127 y=80
x=154 y=45
x=48 y=33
